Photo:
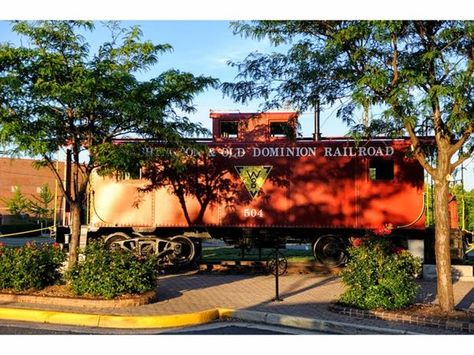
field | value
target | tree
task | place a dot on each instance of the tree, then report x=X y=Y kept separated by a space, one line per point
x=419 y=75
x=39 y=206
x=17 y=204
x=55 y=93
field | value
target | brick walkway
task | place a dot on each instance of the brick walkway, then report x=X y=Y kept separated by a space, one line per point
x=304 y=296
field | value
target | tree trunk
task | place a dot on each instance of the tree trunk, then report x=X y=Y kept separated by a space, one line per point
x=75 y=233
x=442 y=244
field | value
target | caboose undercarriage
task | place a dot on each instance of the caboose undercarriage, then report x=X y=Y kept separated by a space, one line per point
x=180 y=247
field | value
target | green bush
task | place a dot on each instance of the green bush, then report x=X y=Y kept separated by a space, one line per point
x=30 y=267
x=106 y=273
x=379 y=276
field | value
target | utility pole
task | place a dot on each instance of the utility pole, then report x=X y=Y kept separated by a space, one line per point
x=317 y=119
x=67 y=187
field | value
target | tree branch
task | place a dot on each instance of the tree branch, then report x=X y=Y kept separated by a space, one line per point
x=394 y=62
x=464 y=137
x=462 y=158
x=439 y=126
x=418 y=151
x=51 y=166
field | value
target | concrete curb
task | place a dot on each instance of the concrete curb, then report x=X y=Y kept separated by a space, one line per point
x=312 y=323
x=188 y=319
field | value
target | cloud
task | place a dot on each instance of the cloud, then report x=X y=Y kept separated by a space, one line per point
x=225 y=54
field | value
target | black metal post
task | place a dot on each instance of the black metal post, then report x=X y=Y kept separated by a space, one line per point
x=277 y=270
x=68 y=173
x=317 y=129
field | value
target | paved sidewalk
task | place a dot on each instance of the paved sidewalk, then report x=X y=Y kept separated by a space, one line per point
x=303 y=296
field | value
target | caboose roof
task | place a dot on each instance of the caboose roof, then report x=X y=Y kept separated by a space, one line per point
x=284 y=116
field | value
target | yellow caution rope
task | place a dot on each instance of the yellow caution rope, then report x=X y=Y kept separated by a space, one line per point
x=26 y=232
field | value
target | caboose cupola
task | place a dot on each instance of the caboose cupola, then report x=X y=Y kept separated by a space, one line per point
x=253 y=127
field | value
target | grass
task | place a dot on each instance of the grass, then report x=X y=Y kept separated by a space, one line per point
x=235 y=254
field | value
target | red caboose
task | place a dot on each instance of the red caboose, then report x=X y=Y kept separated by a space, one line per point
x=269 y=184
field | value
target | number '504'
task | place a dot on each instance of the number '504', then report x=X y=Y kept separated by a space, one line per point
x=252 y=212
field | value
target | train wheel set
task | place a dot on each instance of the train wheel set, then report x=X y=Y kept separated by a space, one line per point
x=180 y=250
x=177 y=250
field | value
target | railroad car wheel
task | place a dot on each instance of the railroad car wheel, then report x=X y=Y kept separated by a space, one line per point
x=112 y=239
x=272 y=263
x=330 y=250
x=186 y=252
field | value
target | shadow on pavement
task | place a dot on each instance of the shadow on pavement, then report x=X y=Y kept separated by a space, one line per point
x=171 y=286
x=467 y=301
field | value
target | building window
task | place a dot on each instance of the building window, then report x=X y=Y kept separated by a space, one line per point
x=229 y=129
x=381 y=170
x=281 y=129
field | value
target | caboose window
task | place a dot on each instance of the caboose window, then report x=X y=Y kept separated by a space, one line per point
x=229 y=129
x=381 y=170
x=280 y=129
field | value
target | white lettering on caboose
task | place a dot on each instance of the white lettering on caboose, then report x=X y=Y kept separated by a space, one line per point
x=303 y=151
x=358 y=151
x=284 y=152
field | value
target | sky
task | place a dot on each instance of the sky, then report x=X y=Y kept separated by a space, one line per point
x=203 y=41
x=203 y=48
